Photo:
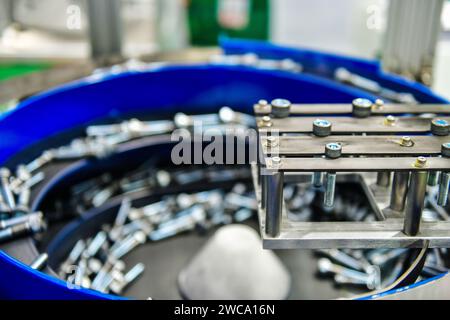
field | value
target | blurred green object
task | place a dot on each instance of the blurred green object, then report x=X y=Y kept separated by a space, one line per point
x=208 y=20
x=11 y=70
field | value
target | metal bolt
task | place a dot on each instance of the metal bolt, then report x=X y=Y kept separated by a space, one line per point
x=406 y=141
x=443 y=189
x=5 y=189
x=330 y=187
x=362 y=108
x=280 y=108
x=333 y=150
x=128 y=244
x=326 y=266
x=390 y=120
x=345 y=259
x=321 y=127
x=265 y=121
x=26 y=218
x=420 y=162
x=118 y=286
x=40 y=262
x=317 y=179
x=439 y=127
x=227 y=115
x=271 y=142
x=96 y=243
x=445 y=149
x=379 y=104
x=33 y=225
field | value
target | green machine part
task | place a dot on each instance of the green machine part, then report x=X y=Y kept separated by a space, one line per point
x=210 y=19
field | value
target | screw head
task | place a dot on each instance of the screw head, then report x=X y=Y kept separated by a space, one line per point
x=420 y=162
x=321 y=127
x=445 y=149
x=439 y=127
x=390 y=120
x=333 y=150
x=362 y=107
x=281 y=108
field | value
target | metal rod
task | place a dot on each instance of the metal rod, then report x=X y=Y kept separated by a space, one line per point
x=274 y=206
x=415 y=202
x=399 y=191
x=443 y=189
x=264 y=191
x=384 y=178
x=330 y=187
x=317 y=179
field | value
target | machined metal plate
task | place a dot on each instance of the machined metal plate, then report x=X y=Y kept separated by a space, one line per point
x=360 y=164
x=350 y=125
x=318 y=109
x=308 y=145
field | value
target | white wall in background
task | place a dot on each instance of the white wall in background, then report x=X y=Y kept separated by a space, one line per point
x=353 y=27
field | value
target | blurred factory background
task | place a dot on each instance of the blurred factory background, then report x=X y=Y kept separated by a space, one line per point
x=42 y=33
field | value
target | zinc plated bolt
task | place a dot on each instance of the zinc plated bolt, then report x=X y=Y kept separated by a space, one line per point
x=5 y=188
x=439 y=127
x=390 y=120
x=239 y=201
x=39 y=162
x=33 y=225
x=128 y=244
x=345 y=259
x=380 y=258
x=445 y=149
x=321 y=128
x=330 y=187
x=228 y=115
x=420 y=162
x=362 y=108
x=326 y=266
x=280 y=108
x=20 y=219
x=265 y=121
x=443 y=189
x=118 y=286
x=261 y=107
x=96 y=243
x=40 y=262
x=333 y=150
x=379 y=104
x=182 y=120
x=406 y=141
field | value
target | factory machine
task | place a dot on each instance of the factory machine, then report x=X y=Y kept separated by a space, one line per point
x=342 y=159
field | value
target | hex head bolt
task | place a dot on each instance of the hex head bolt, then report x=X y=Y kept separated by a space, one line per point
x=362 y=108
x=445 y=178
x=5 y=188
x=20 y=219
x=415 y=199
x=274 y=202
x=321 y=128
x=281 y=108
x=439 y=127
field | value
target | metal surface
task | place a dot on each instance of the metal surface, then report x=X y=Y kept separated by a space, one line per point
x=386 y=109
x=358 y=164
x=374 y=124
x=359 y=145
